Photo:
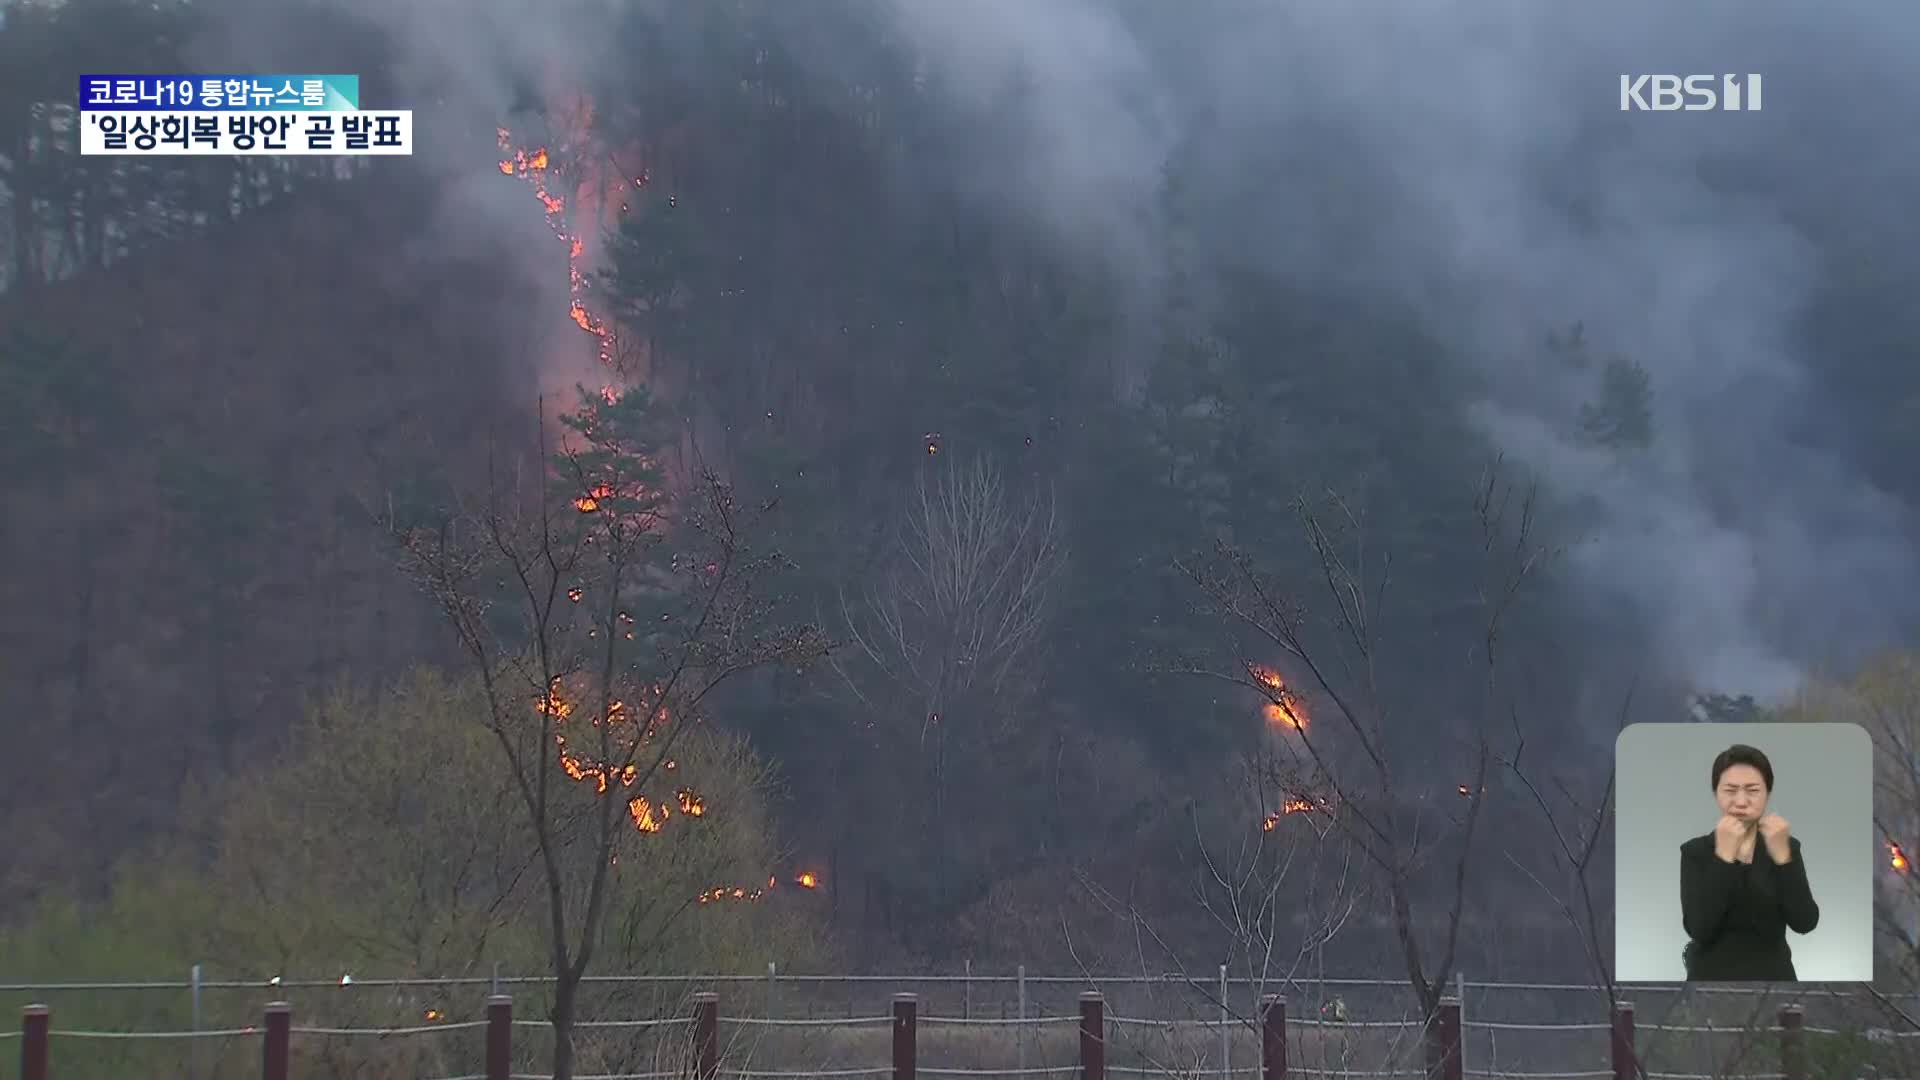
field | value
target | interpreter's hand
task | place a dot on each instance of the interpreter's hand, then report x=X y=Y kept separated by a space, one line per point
x=1774 y=830
x=1733 y=840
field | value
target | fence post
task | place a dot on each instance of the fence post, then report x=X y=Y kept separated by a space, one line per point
x=1443 y=1041
x=34 y=1020
x=773 y=976
x=1020 y=1030
x=706 y=1035
x=1093 y=1036
x=1460 y=991
x=499 y=1037
x=966 y=1002
x=1273 y=1037
x=279 y=1033
x=1793 y=1046
x=193 y=1052
x=1226 y=1030
x=904 y=1007
x=1624 y=1061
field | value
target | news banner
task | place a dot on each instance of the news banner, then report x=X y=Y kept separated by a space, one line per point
x=236 y=115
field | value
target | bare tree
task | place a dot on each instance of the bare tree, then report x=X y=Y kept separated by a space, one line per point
x=944 y=640
x=1268 y=874
x=600 y=616
x=1337 y=752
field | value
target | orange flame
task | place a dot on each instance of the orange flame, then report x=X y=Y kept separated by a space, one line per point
x=646 y=817
x=536 y=168
x=1292 y=804
x=1897 y=858
x=1283 y=706
x=807 y=880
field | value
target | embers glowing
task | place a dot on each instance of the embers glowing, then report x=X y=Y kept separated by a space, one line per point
x=1283 y=706
x=536 y=168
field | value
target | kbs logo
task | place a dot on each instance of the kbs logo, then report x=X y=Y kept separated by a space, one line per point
x=1692 y=93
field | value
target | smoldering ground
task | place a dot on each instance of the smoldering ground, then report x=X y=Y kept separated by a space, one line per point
x=1465 y=163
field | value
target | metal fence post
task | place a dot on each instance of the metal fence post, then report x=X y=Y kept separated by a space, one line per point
x=1624 y=1067
x=773 y=975
x=1020 y=1030
x=1460 y=992
x=193 y=1051
x=904 y=1008
x=966 y=1001
x=279 y=1033
x=1273 y=1037
x=499 y=1037
x=1226 y=1031
x=1793 y=1045
x=1093 y=1036
x=706 y=1035
x=34 y=1023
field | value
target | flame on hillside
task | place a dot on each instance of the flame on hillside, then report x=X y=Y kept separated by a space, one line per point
x=1283 y=706
x=1295 y=804
x=806 y=879
x=647 y=815
x=1897 y=858
x=536 y=168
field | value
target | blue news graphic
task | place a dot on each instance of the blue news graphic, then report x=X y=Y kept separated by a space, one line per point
x=220 y=93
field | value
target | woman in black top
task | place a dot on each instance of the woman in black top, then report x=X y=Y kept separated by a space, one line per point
x=1744 y=885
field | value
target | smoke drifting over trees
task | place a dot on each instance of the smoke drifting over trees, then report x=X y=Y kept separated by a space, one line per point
x=1104 y=281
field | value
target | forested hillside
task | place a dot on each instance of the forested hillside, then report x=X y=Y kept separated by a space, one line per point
x=1158 y=481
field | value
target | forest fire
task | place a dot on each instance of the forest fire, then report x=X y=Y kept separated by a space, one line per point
x=1292 y=804
x=536 y=168
x=1897 y=858
x=591 y=501
x=1283 y=706
x=806 y=879
x=647 y=815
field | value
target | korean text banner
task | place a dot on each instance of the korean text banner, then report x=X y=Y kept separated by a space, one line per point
x=252 y=134
x=220 y=93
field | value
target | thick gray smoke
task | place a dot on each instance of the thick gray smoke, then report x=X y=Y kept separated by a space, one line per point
x=1466 y=160
x=1499 y=192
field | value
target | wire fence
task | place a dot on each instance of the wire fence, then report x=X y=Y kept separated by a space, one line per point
x=779 y=1025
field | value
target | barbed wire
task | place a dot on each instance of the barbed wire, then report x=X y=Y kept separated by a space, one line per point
x=1203 y=982
x=1005 y=1021
x=1089 y=981
x=831 y=1021
x=1494 y=1075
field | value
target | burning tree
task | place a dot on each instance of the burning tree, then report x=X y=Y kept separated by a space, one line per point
x=600 y=616
x=1342 y=770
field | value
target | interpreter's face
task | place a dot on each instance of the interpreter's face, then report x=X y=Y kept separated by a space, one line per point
x=1742 y=793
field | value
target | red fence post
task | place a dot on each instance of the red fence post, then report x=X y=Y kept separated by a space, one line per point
x=1273 y=1037
x=1793 y=1046
x=1443 y=1042
x=279 y=1033
x=1093 y=1036
x=499 y=1037
x=904 y=1008
x=34 y=1020
x=1625 y=1066
x=706 y=1035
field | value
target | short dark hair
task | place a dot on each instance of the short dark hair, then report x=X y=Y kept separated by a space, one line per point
x=1742 y=754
